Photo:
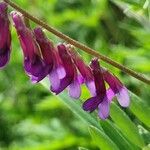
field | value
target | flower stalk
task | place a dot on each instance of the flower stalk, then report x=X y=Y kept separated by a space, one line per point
x=79 y=45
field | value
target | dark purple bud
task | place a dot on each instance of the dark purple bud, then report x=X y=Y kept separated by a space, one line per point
x=5 y=35
x=117 y=87
x=34 y=66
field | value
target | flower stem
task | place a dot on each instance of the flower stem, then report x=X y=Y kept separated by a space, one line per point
x=78 y=44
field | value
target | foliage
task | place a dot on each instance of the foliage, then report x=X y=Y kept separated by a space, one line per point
x=32 y=118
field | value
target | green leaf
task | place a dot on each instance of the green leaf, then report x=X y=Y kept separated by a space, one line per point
x=115 y=135
x=76 y=107
x=82 y=148
x=140 y=109
x=102 y=140
x=126 y=126
x=147 y=147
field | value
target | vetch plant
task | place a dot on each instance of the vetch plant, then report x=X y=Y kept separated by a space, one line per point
x=42 y=58
x=60 y=63
x=65 y=69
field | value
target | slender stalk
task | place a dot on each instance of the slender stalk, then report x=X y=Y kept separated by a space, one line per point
x=78 y=44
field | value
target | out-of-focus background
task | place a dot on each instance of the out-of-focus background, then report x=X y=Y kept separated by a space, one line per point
x=31 y=118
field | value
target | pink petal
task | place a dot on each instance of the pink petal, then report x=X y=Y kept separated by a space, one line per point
x=80 y=79
x=123 y=97
x=91 y=86
x=54 y=79
x=61 y=72
x=104 y=109
x=110 y=94
x=74 y=89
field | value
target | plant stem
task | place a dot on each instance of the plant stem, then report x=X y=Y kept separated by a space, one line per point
x=78 y=44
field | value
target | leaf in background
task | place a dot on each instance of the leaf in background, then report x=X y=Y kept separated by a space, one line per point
x=102 y=140
x=127 y=9
x=126 y=126
x=115 y=135
x=140 y=109
x=82 y=148
x=75 y=106
x=147 y=147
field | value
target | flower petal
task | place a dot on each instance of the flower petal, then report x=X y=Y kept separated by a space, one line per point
x=61 y=72
x=74 y=89
x=54 y=79
x=63 y=84
x=5 y=35
x=83 y=68
x=123 y=97
x=104 y=109
x=91 y=86
x=80 y=79
x=110 y=94
x=91 y=104
x=46 y=46
x=4 y=58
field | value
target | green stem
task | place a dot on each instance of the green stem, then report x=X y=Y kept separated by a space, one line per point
x=78 y=44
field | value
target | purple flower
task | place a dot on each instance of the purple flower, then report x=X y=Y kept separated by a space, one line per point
x=67 y=75
x=84 y=69
x=33 y=63
x=116 y=88
x=46 y=46
x=5 y=35
x=100 y=100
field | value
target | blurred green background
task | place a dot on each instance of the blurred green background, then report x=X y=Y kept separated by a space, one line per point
x=30 y=116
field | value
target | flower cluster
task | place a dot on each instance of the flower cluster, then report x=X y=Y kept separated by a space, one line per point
x=62 y=65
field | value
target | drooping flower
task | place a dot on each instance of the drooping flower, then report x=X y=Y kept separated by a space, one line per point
x=33 y=63
x=100 y=100
x=46 y=46
x=5 y=35
x=70 y=79
x=116 y=88
x=84 y=69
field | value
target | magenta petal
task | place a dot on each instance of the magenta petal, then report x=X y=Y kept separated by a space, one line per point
x=74 y=89
x=80 y=79
x=5 y=35
x=4 y=58
x=63 y=84
x=54 y=79
x=91 y=104
x=91 y=86
x=123 y=97
x=104 y=109
x=34 y=79
x=110 y=94
x=41 y=75
x=37 y=70
x=61 y=72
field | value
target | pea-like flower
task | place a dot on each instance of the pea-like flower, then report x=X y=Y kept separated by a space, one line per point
x=34 y=65
x=84 y=69
x=46 y=46
x=100 y=99
x=5 y=35
x=70 y=78
x=116 y=88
